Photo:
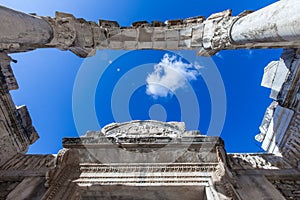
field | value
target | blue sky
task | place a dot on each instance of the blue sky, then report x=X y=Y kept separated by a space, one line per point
x=46 y=76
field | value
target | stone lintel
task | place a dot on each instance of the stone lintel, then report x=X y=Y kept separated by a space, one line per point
x=219 y=31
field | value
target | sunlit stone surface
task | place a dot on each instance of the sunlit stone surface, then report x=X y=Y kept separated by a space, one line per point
x=151 y=159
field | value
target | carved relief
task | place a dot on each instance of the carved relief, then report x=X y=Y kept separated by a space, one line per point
x=144 y=128
x=64 y=32
x=257 y=161
x=62 y=187
x=149 y=168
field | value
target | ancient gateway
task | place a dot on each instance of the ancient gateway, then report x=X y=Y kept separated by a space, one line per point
x=151 y=159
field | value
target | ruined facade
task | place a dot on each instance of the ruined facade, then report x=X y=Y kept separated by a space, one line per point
x=280 y=128
x=17 y=132
x=154 y=159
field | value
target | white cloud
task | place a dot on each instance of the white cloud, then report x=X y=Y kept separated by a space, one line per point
x=169 y=75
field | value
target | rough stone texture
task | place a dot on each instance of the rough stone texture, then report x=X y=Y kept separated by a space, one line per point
x=163 y=161
x=289 y=188
x=117 y=163
x=154 y=159
x=147 y=193
x=280 y=129
x=291 y=142
x=141 y=156
x=23 y=176
x=256 y=175
x=6 y=187
x=7 y=72
x=146 y=128
x=277 y=126
x=29 y=188
x=257 y=161
x=16 y=130
x=219 y=31
x=22 y=32
x=16 y=134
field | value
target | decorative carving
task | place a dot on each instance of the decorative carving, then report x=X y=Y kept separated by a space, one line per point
x=223 y=22
x=82 y=37
x=64 y=32
x=257 y=161
x=144 y=128
x=62 y=185
x=145 y=174
x=216 y=34
x=97 y=138
x=149 y=168
x=62 y=157
x=225 y=175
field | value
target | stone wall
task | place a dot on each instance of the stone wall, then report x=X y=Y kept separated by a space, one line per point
x=280 y=129
x=264 y=176
x=117 y=162
x=288 y=187
x=23 y=176
x=16 y=130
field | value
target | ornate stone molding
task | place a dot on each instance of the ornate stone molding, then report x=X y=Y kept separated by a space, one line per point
x=147 y=168
x=64 y=32
x=62 y=186
x=144 y=128
x=257 y=161
x=216 y=31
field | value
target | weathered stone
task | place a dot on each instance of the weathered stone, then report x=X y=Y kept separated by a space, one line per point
x=269 y=74
x=20 y=29
x=219 y=31
x=7 y=72
x=23 y=176
x=28 y=188
x=277 y=128
x=119 y=157
x=16 y=130
x=155 y=159
x=281 y=122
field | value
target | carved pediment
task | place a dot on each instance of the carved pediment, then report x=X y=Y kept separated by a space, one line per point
x=148 y=128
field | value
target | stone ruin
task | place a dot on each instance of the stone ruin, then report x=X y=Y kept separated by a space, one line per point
x=151 y=159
